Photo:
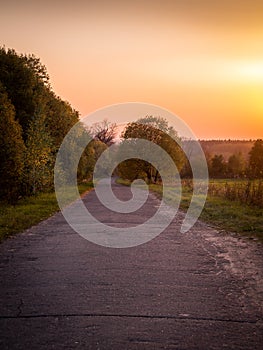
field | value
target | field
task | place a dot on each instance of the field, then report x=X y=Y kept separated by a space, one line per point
x=231 y=205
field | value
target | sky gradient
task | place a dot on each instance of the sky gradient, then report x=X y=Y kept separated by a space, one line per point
x=202 y=60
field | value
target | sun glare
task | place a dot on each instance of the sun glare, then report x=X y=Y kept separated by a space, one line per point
x=251 y=70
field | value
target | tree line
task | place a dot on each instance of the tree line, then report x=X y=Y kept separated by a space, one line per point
x=236 y=166
x=34 y=121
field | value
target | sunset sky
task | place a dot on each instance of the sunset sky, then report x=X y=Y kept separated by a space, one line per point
x=202 y=60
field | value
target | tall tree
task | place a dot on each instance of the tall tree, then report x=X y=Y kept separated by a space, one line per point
x=39 y=69
x=255 y=169
x=11 y=150
x=60 y=118
x=26 y=82
x=45 y=119
x=217 y=166
x=39 y=160
x=236 y=165
x=20 y=83
x=104 y=131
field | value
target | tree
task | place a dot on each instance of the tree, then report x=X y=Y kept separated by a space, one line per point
x=42 y=117
x=255 y=168
x=89 y=158
x=159 y=123
x=103 y=135
x=133 y=169
x=40 y=70
x=20 y=83
x=86 y=163
x=60 y=118
x=236 y=165
x=217 y=166
x=39 y=160
x=148 y=128
x=26 y=82
x=11 y=150
x=104 y=131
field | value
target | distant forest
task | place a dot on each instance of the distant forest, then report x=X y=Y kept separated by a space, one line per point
x=34 y=121
x=227 y=147
x=230 y=158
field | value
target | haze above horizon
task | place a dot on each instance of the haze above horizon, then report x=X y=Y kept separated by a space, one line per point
x=201 y=60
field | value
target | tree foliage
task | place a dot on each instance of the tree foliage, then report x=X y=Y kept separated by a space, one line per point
x=217 y=166
x=12 y=150
x=22 y=85
x=60 y=118
x=256 y=160
x=156 y=130
x=159 y=123
x=34 y=122
x=236 y=165
x=39 y=160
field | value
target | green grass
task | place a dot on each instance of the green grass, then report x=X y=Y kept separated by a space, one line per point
x=234 y=216
x=220 y=212
x=30 y=211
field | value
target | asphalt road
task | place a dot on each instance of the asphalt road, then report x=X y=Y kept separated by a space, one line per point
x=198 y=290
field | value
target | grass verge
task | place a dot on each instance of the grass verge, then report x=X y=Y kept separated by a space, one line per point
x=30 y=211
x=221 y=213
x=233 y=216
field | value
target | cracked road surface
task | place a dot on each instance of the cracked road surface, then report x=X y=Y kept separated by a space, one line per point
x=199 y=290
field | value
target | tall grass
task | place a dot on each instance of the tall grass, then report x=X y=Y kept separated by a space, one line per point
x=245 y=192
x=231 y=205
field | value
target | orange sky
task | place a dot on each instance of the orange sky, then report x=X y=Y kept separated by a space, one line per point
x=202 y=60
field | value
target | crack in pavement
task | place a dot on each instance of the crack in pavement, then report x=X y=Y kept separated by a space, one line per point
x=19 y=308
x=190 y=318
